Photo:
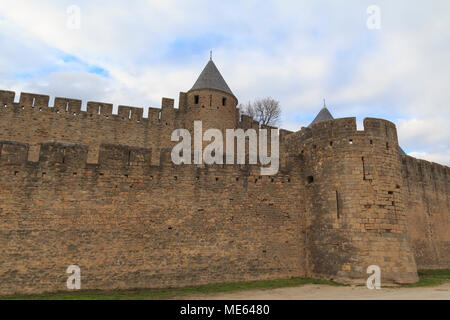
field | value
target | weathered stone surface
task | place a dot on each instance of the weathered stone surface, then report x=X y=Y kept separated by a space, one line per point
x=89 y=188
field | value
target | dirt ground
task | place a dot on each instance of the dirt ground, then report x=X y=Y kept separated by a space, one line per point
x=325 y=292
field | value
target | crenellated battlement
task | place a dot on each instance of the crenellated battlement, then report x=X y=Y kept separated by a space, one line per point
x=420 y=163
x=73 y=107
x=112 y=158
x=75 y=155
x=346 y=127
x=342 y=132
x=33 y=102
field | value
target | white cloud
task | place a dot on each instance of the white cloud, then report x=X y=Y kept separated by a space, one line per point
x=298 y=52
x=426 y=138
x=441 y=158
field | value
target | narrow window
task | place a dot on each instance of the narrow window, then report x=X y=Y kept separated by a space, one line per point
x=310 y=179
x=210 y=100
x=224 y=101
x=196 y=99
x=364 y=168
x=338 y=214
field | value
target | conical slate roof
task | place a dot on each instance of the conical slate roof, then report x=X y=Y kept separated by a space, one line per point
x=323 y=115
x=210 y=78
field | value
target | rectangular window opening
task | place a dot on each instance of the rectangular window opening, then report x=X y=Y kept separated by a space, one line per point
x=364 y=168
x=338 y=214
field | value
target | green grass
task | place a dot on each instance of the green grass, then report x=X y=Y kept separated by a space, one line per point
x=431 y=278
x=426 y=278
x=172 y=292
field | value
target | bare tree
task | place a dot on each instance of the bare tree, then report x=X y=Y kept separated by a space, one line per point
x=266 y=111
x=247 y=109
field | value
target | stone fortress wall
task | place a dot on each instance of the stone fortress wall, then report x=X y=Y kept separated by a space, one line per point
x=99 y=190
x=426 y=187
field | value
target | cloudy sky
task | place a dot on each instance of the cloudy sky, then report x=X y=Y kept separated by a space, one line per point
x=298 y=52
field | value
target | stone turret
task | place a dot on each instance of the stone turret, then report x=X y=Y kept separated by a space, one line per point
x=323 y=115
x=356 y=209
x=212 y=101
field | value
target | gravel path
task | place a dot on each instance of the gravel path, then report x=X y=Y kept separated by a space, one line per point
x=313 y=292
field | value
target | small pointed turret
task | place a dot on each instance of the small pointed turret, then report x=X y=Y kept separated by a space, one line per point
x=211 y=100
x=210 y=78
x=323 y=115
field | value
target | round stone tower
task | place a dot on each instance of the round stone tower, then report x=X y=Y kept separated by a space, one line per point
x=211 y=101
x=356 y=209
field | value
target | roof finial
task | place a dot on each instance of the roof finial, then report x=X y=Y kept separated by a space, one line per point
x=324 y=104
x=210 y=55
